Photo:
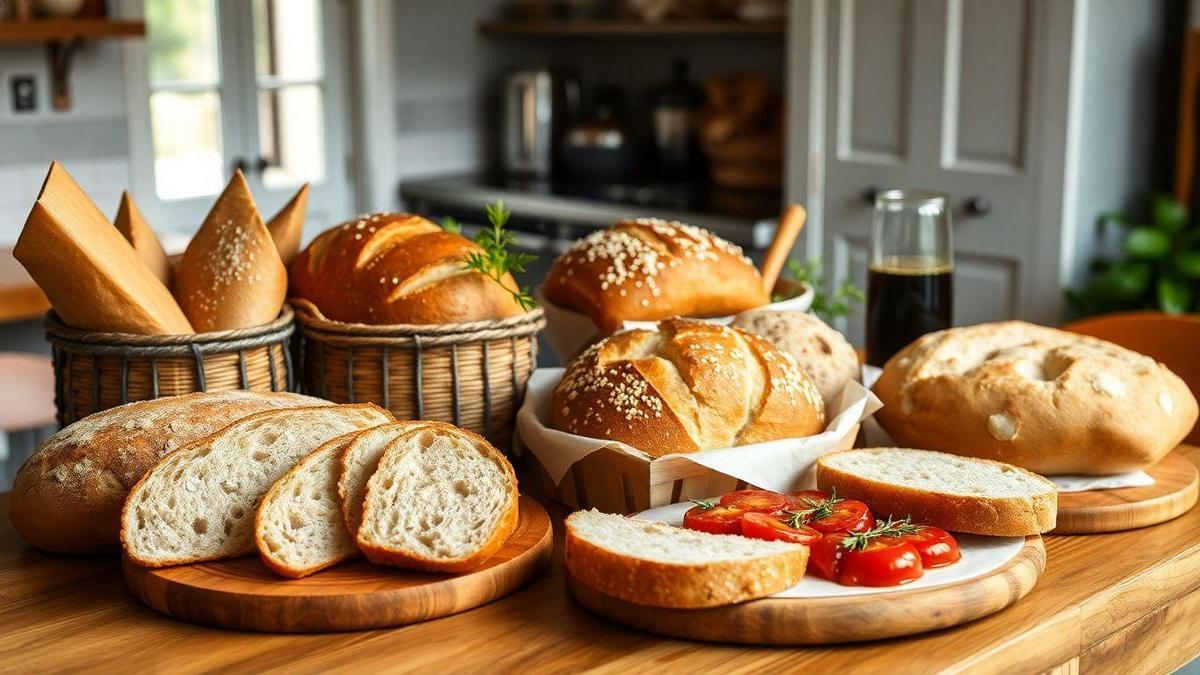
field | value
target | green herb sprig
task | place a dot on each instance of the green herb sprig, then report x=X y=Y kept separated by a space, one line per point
x=705 y=504
x=817 y=509
x=496 y=259
x=827 y=306
x=891 y=528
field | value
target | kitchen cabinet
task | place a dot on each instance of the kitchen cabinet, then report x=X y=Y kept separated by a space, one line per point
x=1026 y=113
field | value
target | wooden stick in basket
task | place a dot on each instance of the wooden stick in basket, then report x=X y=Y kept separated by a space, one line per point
x=790 y=224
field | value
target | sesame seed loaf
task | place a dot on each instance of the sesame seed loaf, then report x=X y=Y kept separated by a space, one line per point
x=231 y=275
x=690 y=386
x=650 y=269
x=824 y=354
x=391 y=268
x=1042 y=399
x=68 y=495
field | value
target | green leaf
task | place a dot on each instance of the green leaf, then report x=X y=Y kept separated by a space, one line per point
x=1168 y=214
x=449 y=224
x=1188 y=263
x=1147 y=243
x=1174 y=295
x=1115 y=218
x=1123 y=282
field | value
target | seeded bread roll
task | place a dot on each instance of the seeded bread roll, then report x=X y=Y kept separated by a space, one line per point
x=690 y=386
x=393 y=268
x=1042 y=399
x=822 y=352
x=650 y=269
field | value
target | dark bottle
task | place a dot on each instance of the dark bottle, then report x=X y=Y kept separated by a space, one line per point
x=675 y=104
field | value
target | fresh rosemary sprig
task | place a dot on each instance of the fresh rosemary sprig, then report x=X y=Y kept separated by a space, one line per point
x=705 y=504
x=451 y=225
x=891 y=528
x=496 y=260
x=818 y=508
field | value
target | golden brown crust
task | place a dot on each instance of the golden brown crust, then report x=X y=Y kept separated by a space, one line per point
x=391 y=268
x=1043 y=399
x=231 y=275
x=68 y=496
x=685 y=586
x=690 y=386
x=133 y=226
x=997 y=517
x=650 y=269
x=287 y=226
x=504 y=528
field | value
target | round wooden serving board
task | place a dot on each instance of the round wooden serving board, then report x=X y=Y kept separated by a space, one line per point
x=851 y=618
x=1174 y=492
x=243 y=594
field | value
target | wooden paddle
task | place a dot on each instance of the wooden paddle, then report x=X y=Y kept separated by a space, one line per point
x=790 y=224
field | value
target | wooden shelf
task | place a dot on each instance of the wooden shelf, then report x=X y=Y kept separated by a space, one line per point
x=50 y=30
x=550 y=28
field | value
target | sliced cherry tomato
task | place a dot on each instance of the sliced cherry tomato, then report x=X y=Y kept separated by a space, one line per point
x=885 y=561
x=825 y=556
x=828 y=513
x=802 y=497
x=714 y=519
x=936 y=546
x=763 y=501
x=774 y=527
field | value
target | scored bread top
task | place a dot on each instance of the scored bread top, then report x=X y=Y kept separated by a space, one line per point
x=1044 y=399
x=689 y=386
x=823 y=353
x=649 y=269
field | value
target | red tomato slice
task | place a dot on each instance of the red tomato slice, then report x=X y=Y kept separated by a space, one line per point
x=886 y=561
x=714 y=520
x=762 y=501
x=774 y=527
x=830 y=514
x=936 y=546
x=801 y=498
x=825 y=556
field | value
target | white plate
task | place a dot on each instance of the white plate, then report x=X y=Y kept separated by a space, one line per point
x=980 y=555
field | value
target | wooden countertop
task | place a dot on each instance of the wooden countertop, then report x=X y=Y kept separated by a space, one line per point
x=20 y=298
x=1107 y=603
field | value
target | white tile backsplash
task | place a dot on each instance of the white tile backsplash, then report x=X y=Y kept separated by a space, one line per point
x=102 y=179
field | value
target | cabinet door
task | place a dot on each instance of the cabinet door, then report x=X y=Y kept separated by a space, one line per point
x=936 y=94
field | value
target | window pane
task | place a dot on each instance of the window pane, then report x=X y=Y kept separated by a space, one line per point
x=291 y=133
x=287 y=41
x=183 y=41
x=186 y=129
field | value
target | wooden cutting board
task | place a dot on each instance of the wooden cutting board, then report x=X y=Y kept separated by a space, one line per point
x=852 y=618
x=243 y=594
x=1176 y=484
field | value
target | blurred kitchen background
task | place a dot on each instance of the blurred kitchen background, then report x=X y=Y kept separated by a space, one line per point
x=1035 y=116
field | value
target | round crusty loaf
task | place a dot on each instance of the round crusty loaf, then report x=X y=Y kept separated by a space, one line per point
x=68 y=496
x=690 y=386
x=1042 y=399
x=392 y=268
x=824 y=354
x=650 y=269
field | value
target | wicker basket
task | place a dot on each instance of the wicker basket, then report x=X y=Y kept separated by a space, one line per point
x=470 y=374
x=97 y=371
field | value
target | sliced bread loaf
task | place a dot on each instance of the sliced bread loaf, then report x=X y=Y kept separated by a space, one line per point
x=960 y=494
x=442 y=499
x=298 y=527
x=198 y=503
x=358 y=461
x=658 y=565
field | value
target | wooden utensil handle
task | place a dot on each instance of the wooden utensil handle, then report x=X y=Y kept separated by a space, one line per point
x=790 y=224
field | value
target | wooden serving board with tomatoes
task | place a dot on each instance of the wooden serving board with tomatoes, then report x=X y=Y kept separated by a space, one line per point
x=867 y=579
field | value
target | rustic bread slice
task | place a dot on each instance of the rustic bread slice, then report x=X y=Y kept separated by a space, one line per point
x=442 y=499
x=358 y=462
x=298 y=527
x=961 y=494
x=658 y=565
x=198 y=502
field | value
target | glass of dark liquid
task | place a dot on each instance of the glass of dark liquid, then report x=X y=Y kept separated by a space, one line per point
x=910 y=285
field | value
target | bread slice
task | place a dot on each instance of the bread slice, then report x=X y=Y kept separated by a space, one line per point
x=442 y=500
x=357 y=463
x=659 y=565
x=198 y=502
x=960 y=494
x=298 y=527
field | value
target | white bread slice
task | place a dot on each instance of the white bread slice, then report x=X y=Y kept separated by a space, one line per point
x=960 y=494
x=658 y=565
x=298 y=527
x=358 y=462
x=198 y=502
x=442 y=500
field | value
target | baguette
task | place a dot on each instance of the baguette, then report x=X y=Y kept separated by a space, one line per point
x=287 y=226
x=657 y=565
x=960 y=494
x=442 y=500
x=198 y=503
x=133 y=226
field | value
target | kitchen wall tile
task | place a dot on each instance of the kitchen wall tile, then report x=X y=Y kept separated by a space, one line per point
x=12 y=183
x=21 y=143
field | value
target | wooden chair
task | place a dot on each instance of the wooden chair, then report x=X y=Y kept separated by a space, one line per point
x=26 y=409
x=1171 y=339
